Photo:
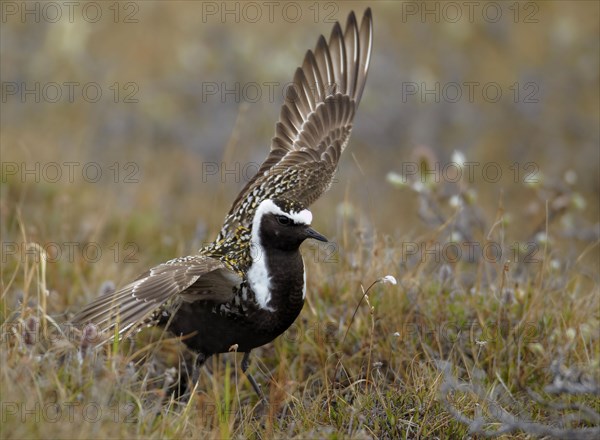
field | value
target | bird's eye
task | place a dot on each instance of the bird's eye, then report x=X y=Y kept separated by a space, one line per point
x=283 y=220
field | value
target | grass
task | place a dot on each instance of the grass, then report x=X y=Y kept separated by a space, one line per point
x=385 y=361
x=452 y=350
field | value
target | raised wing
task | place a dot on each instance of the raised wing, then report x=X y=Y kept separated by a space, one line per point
x=191 y=278
x=314 y=125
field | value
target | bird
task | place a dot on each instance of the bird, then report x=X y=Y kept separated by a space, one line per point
x=249 y=285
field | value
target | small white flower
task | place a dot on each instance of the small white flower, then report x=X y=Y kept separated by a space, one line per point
x=455 y=237
x=418 y=186
x=456 y=201
x=389 y=279
x=458 y=158
x=397 y=334
x=396 y=179
x=541 y=237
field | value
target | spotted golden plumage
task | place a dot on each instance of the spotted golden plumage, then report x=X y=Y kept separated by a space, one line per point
x=248 y=286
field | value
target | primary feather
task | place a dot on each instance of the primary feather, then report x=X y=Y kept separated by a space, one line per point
x=314 y=124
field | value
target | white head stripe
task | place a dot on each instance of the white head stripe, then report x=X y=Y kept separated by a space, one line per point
x=303 y=217
x=258 y=273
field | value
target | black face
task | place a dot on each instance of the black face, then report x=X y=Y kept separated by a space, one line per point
x=281 y=232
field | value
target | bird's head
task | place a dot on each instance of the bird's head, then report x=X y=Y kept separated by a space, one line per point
x=283 y=224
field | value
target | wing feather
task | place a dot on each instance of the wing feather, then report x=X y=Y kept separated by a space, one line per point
x=193 y=278
x=314 y=124
x=338 y=53
x=352 y=47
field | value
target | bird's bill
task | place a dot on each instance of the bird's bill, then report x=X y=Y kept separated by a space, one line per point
x=311 y=233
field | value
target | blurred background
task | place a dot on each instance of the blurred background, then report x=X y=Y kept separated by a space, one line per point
x=128 y=128
x=144 y=119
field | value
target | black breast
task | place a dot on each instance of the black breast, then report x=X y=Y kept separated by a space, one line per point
x=215 y=328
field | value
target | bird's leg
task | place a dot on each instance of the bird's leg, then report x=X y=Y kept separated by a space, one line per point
x=189 y=373
x=245 y=364
x=200 y=359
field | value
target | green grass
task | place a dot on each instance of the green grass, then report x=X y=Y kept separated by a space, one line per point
x=348 y=368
